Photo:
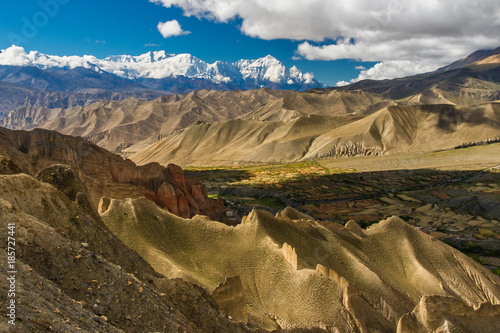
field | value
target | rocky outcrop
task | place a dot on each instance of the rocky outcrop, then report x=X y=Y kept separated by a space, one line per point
x=349 y=149
x=446 y=314
x=64 y=179
x=107 y=174
x=293 y=214
x=328 y=272
x=67 y=181
x=7 y=165
x=75 y=275
x=290 y=255
x=478 y=143
x=354 y=227
x=231 y=298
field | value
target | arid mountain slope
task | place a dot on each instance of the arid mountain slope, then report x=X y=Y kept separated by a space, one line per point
x=415 y=128
x=241 y=141
x=13 y=96
x=112 y=124
x=393 y=129
x=74 y=275
x=323 y=103
x=108 y=174
x=493 y=59
x=461 y=84
x=297 y=272
x=477 y=56
x=116 y=125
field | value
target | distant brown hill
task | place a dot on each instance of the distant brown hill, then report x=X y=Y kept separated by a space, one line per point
x=115 y=125
x=462 y=82
x=393 y=129
x=13 y=95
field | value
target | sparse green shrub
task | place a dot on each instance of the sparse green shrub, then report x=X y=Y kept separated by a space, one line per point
x=366 y=223
x=475 y=258
x=271 y=203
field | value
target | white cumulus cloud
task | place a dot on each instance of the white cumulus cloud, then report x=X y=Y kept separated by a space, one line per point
x=342 y=83
x=395 y=68
x=171 y=28
x=389 y=70
x=432 y=32
x=14 y=56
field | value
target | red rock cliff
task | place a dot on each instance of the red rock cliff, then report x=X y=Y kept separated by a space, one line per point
x=108 y=174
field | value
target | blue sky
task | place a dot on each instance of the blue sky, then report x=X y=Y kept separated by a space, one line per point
x=326 y=41
x=103 y=28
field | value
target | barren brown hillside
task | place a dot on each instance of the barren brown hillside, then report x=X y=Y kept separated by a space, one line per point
x=394 y=129
x=115 y=125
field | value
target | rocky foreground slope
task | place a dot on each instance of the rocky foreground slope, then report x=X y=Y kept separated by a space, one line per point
x=74 y=275
x=108 y=174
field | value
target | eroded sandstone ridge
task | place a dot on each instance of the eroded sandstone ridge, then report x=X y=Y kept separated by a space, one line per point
x=107 y=174
x=296 y=272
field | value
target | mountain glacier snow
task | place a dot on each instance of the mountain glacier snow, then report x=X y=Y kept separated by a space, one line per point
x=263 y=72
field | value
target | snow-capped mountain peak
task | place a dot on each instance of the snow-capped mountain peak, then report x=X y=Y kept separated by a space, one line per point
x=148 y=57
x=266 y=68
x=160 y=65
